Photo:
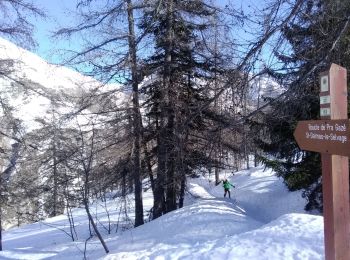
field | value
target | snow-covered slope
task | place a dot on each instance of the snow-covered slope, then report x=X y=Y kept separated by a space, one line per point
x=30 y=85
x=263 y=87
x=30 y=66
x=261 y=221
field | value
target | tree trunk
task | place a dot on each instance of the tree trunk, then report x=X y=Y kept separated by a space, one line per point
x=91 y=219
x=158 y=193
x=0 y=228
x=217 y=107
x=136 y=120
x=55 y=180
x=182 y=190
x=171 y=186
x=166 y=126
x=158 y=205
x=148 y=165
x=245 y=137
x=170 y=93
x=87 y=209
x=217 y=176
x=257 y=107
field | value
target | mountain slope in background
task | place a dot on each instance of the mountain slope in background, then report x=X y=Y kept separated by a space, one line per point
x=30 y=86
x=261 y=221
x=29 y=65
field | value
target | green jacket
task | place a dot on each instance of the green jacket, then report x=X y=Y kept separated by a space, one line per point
x=227 y=185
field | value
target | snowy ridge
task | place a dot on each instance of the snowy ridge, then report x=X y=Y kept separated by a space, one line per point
x=31 y=86
x=261 y=221
x=46 y=81
x=30 y=66
x=263 y=87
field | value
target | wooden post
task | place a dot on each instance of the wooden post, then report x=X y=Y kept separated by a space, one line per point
x=335 y=169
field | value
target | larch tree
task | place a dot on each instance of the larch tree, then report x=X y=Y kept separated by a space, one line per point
x=15 y=25
x=113 y=58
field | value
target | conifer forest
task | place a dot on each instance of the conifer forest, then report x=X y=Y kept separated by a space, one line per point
x=160 y=91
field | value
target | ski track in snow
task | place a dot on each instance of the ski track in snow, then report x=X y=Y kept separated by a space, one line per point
x=261 y=221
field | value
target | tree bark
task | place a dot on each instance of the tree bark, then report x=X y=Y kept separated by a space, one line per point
x=217 y=107
x=136 y=120
x=164 y=177
x=170 y=93
x=0 y=228
x=257 y=107
x=158 y=205
x=182 y=190
x=55 y=179
x=91 y=219
x=148 y=165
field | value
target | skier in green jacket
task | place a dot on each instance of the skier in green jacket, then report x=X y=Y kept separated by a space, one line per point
x=227 y=185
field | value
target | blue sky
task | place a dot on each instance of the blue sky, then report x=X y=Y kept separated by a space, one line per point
x=58 y=12
x=57 y=16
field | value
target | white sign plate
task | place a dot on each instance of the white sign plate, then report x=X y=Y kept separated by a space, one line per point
x=325 y=111
x=325 y=100
x=324 y=83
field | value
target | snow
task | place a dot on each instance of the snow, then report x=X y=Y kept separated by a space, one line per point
x=30 y=66
x=262 y=220
x=42 y=82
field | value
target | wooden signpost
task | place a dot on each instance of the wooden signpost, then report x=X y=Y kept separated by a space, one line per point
x=324 y=136
x=331 y=137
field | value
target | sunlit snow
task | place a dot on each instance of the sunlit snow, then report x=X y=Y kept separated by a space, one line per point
x=32 y=84
x=262 y=220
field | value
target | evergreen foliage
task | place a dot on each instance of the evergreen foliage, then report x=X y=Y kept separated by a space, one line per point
x=180 y=69
x=183 y=105
x=317 y=37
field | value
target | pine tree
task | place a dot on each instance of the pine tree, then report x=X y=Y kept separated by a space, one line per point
x=181 y=69
x=318 y=36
